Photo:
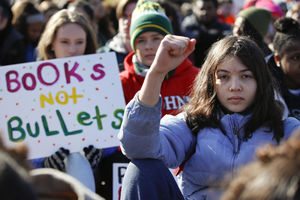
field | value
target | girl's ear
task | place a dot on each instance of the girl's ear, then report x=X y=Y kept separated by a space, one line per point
x=277 y=59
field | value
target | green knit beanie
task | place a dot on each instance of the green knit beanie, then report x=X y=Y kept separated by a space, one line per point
x=259 y=18
x=148 y=16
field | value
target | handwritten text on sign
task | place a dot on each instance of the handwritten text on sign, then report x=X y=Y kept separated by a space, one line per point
x=71 y=102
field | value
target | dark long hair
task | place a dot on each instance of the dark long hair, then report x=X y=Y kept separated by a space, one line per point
x=21 y=10
x=287 y=34
x=204 y=109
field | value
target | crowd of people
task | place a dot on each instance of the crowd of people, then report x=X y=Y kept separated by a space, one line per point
x=205 y=88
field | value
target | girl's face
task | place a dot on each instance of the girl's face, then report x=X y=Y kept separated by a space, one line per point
x=146 y=45
x=70 y=40
x=124 y=21
x=34 y=31
x=235 y=85
x=205 y=11
x=290 y=65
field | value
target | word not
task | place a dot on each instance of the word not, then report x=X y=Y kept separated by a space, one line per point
x=29 y=80
x=65 y=100
x=18 y=131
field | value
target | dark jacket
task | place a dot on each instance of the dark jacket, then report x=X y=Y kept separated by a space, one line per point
x=115 y=45
x=292 y=101
x=12 y=47
x=205 y=35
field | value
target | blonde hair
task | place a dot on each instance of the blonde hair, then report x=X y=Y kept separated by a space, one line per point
x=58 y=20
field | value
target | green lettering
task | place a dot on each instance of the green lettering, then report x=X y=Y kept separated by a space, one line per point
x=64 y=127
x=22 y=134
x=37 y=130
x=118 y=114
x=46 y=127
x=82 y=117
x=98 y=118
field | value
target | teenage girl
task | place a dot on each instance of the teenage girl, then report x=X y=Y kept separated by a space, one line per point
x=231 y=112
x=68 y=34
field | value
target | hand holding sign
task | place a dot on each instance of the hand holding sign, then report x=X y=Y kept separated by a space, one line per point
x=93 y=155
x=57 y=160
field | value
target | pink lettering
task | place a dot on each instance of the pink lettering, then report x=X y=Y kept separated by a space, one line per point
x=97 y=68
x=69 y=73
x=10 y=80
x=39 y=73
x=33 y=81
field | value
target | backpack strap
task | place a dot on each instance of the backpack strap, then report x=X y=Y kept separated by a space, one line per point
x=180 y=168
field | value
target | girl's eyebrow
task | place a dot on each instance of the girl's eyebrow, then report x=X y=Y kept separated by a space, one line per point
x=226 y=71
x=223 y=70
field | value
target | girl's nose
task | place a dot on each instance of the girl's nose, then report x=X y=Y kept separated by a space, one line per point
x=235 y=85
x=72 y=48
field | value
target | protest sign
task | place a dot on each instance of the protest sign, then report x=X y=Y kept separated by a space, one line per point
x=119 y=170
x=70 y=102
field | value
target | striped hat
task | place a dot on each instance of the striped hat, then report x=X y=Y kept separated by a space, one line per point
x=148 y=16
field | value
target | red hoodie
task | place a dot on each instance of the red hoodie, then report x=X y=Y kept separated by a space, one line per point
x=174 y=90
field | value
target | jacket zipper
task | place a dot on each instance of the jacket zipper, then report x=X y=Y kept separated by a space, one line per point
x=236 y=148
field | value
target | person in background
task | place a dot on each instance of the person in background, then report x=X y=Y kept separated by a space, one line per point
x=266 y=4
x=254 y=23
x=232 y=111
x=186 y=8
x=274 y=176
x=294 y=12
x=285 y=62
x=69 y=34
x=105 y=25
x=173 y=13
x=48 y=8
x=62 y=4
x=275 y=10
x=85 y=8
x=204 y=26
x=12 y=46
x=224 y=12
x=120 y=43
x=29 y=22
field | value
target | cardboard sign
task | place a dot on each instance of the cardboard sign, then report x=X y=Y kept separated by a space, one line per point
x=119 y=170
x=71 y=102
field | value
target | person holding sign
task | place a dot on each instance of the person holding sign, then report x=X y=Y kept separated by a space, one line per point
x=232 y=111
x=149 y=25
x=68 y=34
